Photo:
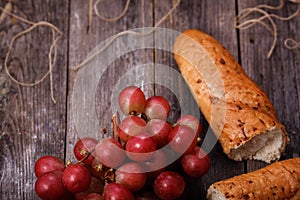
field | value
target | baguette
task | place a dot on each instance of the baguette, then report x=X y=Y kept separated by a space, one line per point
x=279 y=180
x=238 y=111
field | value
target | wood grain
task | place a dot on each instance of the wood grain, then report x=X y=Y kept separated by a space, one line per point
x=82 y=42
x=203 y=15
x=31 y=125
x=275 y=75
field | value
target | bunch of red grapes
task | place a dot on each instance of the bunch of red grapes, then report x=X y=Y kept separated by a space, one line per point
x=147 y=157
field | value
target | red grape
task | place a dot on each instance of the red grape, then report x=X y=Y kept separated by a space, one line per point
x=83 y=149
x=182 y=139
x=116 y=191
x=141 y=136
x=110 y=152
x=169 y=185
x=159 y=130
x=132 y=100
x=49 y=186
x=195 y=163
x=76 y=178
x=157 y=107
x=131 y=126
x=140 y=148
x=131 y=176
x=96 y=170
x=191 y=121
x=47 y=164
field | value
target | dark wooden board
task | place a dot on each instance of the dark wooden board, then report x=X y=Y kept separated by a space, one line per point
x=83 y=42
x=32 y=126
x=204 y=15
x=275 y=75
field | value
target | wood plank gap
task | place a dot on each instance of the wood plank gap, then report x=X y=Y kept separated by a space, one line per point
x=238 y=34
x=153 y=36
x=68 y=79
x=153 y=13
x=239 y=57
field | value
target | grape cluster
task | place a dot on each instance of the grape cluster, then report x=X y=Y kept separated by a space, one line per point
x=147 y=157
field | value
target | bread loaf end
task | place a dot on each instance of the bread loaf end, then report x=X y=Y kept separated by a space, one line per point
x=239 y=112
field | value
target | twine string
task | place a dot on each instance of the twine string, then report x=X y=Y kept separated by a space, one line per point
x=242 y=23
x=107 y=18
x=290 y=43
x=249 y=23
x=113 y=38
x=8 y=8
x=51 y=55
x=57 y=34
x=266 y=6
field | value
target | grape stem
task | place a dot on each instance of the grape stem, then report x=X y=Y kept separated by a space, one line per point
x=86 y=155
x=109 y=175
x=115 y=123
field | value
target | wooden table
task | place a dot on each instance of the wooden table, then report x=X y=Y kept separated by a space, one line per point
x=32 y=125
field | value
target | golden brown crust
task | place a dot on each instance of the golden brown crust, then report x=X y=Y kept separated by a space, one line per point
x=203 y=62
x=280 y=180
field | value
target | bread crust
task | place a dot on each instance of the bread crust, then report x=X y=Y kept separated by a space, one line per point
x=279 y=180
x=247 y=111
